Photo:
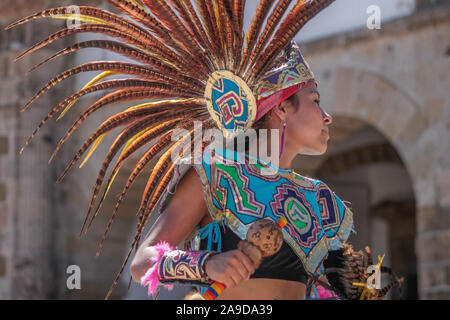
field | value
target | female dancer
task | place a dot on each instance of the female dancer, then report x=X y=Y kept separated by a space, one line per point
x=296 y=112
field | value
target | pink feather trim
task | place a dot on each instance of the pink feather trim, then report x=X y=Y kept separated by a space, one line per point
x=323 y=293
x=151 y=277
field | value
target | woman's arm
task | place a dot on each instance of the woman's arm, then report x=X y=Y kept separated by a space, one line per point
x=185 y=211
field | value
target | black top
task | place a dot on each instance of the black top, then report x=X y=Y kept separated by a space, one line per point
x=284 y=265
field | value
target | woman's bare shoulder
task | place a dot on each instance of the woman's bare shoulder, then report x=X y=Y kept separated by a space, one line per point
x=184 y=211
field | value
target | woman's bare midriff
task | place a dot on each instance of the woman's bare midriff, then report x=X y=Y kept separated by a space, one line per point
x=265 y=289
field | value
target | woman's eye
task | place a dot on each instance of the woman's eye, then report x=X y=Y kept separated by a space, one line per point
x=317 y=101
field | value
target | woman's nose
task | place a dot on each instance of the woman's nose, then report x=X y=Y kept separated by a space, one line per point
x=327 y=117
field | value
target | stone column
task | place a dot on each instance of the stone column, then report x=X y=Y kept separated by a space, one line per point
x=27 y=219
x=433 y=250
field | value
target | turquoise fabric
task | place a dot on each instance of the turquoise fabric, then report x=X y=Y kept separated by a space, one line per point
x=211 y=232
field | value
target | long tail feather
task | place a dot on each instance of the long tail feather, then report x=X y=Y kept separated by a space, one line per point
x=147 y=137
x=208 y=23
x=93 y=88
x=193 y=19
x=159 y=63
x=54 y=12
x=160 y=170
x=215 y=31
x=255 y=27
x=164 y=142
x=136 y=172
x=272 y=23
x=108 y=18
x=164 y=174
x=296 y=19
x=146 y=158
x=156 y=90
x=114 y=66
x=106 y=85
x=166 y=15
x=156 y=173
x=95 y=80
x=238 y=13
x=235 y=11
x=183 y=124
x=132 y=39
x=118 y=120
x=143 y=17
x=155 y=188
x=133 y=113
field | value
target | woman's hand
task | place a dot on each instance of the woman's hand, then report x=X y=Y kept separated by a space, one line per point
x=230 y=267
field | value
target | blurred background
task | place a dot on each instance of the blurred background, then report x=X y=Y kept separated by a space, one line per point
x=387 y=89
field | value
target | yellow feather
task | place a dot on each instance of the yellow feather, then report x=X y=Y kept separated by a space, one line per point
x=129 y=142
x=101 y=76
x=219 y=25
x=94 y=146
x=136 y=136
x=168 y=101
x=107 y=189
x=359 y=284
x=380 y=261
x=81 y=17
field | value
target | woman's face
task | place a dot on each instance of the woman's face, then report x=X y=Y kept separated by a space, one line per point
x=307 y=127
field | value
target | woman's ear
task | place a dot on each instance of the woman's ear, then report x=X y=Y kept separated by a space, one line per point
x=280 y=111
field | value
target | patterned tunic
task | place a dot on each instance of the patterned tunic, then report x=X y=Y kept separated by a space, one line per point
x=239 y=191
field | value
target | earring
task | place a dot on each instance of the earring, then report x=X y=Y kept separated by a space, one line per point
x=282 y=137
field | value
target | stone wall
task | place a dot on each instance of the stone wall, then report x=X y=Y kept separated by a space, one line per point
x=28 y=220
x=31 y=258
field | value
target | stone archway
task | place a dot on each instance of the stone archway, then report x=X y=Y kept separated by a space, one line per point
x=376 y=100
x=414 y=134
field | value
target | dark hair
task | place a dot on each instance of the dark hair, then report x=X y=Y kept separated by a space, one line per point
x=293 y=100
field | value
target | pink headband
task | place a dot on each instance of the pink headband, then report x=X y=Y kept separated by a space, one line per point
x=266 y=104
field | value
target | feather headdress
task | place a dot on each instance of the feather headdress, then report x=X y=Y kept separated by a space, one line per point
x=185 y=52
